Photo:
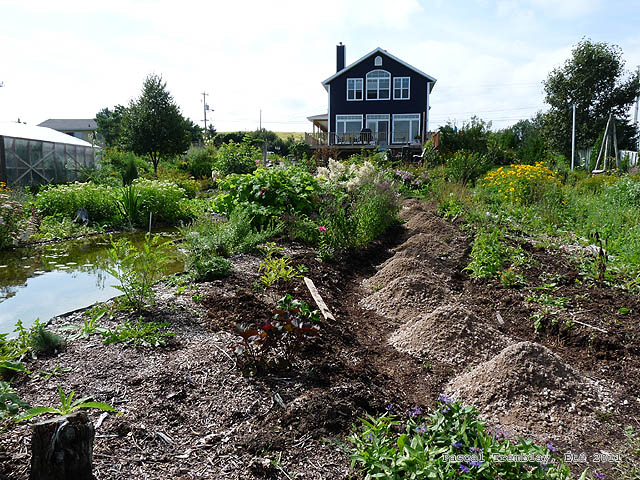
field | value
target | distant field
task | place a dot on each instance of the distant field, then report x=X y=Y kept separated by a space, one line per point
x=285 y=135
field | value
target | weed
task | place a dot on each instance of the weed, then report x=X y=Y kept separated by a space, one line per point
x=10 y=402
x=511 y=278
x=487 y=254
x=129 y=204
x=67 y=406
x=197 y=297
x=550 y=300
x=57 y=371
x=89 y=325
x=140 y=333
x=277 y=269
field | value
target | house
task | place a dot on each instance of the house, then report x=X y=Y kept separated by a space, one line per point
x=377 y=101
x=82 y=128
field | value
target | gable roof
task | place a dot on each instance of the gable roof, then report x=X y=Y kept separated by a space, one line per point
x=72 y=124
x=378 y=50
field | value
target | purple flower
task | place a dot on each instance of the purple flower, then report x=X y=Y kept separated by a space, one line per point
x=551 y=447
x=445 y=399
x=475 y=450
x=464 y=468
x=599 y=475
x=475 y=463
x=390 y=408
x=369 y=436
x=322 y=229
x=457 y=444
x=421 y=428
x=415 y=411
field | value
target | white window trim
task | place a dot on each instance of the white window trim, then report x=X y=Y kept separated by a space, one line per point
x=408 y=88
x=412 y=134
x=377 y=62
x=355 y=90
x=343 y=119
x=381 y=116
x=366 y=78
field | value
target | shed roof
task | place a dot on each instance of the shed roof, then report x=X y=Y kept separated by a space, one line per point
x=32 y=132
x=71 y=124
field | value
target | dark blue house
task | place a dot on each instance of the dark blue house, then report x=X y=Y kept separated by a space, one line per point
x=379 y=100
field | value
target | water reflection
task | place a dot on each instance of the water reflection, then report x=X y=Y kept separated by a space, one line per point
x=47 y=280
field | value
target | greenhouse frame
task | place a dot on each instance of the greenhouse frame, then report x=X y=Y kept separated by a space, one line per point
x=31 y=155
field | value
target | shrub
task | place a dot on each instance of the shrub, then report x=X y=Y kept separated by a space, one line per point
x=162 y=198
x=594 y=184
x=44 y=342
x=280 y=338
x=268 y=193
x=235 y=157
x=98 y=200
x=199 y=162
x=625 y=192
x=11 y=218
x=449 y=443
x=524 y=184
x=209 y=267
x=465 y=167
x=277 y=268
x=137 y=270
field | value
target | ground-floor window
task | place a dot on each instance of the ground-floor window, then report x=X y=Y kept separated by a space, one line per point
x=348 y=127
x=406 y=127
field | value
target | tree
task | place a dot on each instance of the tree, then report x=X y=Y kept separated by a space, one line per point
x=110 y=125
x=595 y=80
x=196 y=132
x=154 y=126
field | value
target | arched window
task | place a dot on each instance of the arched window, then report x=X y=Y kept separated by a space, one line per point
x=378 y=85
x=378 y=61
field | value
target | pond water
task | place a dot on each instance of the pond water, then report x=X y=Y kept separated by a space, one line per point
x=47 y=280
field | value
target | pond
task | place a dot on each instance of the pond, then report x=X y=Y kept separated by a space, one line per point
x=47 y=280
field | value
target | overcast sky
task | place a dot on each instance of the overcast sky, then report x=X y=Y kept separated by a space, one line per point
x=69 y=59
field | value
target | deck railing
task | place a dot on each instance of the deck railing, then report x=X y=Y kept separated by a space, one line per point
x=363 y=139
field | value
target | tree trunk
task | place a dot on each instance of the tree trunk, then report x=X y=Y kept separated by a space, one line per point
x=62 y=448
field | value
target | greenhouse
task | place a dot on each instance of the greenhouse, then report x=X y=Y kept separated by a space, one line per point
x=31 y=155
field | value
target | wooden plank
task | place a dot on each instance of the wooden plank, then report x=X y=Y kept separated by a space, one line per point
x=324 y=310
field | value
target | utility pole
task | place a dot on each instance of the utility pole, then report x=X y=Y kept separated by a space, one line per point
x=635 y=115
x=573 y=138
x=206 y=107
x=260 y=127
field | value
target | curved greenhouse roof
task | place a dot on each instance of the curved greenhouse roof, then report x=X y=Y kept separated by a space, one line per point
x=31 y=155
x=44 y=134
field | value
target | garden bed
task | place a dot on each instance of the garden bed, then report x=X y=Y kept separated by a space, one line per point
x=190 y=413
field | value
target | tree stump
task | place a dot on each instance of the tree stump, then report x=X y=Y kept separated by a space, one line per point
x=62 y=448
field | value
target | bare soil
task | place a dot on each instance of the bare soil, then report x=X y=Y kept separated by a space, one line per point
x=410 y=324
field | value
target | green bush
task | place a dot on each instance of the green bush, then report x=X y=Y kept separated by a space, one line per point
x=236 y=158
x=163 y=198
x=625 y=192
x=209 y=267
x=58 y=227
x=11 y=218
x=487 y=254
x=595 y=184
x=100 y=201
x=269 y=192
x=466 y=167
x=199 y=162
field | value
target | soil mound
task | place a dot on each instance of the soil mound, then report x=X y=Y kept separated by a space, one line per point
x=402 y=297
x=450 y=334
x=528 y=389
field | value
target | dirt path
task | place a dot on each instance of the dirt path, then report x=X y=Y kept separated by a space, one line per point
x=409 y=325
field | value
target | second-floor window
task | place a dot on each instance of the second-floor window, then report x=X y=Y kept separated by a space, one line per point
x=401 y=88
x=354 y=89
x=378 y=85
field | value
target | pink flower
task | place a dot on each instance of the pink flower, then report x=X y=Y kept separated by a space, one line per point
x=322 y=229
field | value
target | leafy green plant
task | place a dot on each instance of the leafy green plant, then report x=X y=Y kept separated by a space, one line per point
x=45 y=342
x=510 y=278
x=451 y=442
x=163 y=198
x=488 y=254
x=129 y=203
x=277 y=268
x=235 y=157
x=67 y=406
x=282 y=337
x=137 y=270
x=99 y=201
x=57 y=371
x=10 y=402
x=209 y=267
x=89 y=326
x=140 y=333
x=466 y=167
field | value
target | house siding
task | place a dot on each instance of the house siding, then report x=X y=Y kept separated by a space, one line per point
x=338 y=104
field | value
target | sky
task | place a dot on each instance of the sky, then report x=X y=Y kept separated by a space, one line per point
x=70 y=59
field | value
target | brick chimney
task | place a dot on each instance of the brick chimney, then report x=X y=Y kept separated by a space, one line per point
x=339 y=57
